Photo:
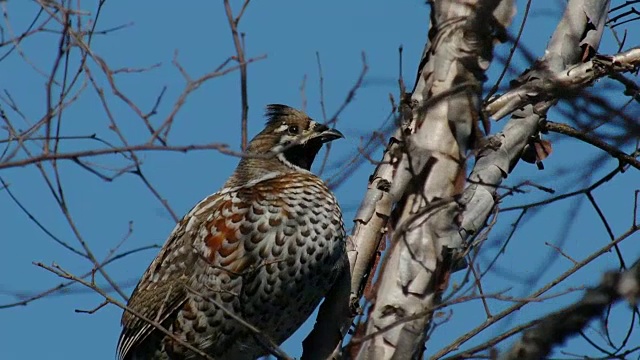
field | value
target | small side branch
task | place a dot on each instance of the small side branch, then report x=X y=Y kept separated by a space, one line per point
x=565 y=129
x=555 y=328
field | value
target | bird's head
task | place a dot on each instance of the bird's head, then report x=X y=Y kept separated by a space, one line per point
x=290 y=141
x=292 y=137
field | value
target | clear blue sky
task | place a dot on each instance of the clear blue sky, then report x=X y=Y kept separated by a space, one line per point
x=289 y=33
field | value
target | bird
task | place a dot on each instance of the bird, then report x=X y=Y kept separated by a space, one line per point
x=248 y=264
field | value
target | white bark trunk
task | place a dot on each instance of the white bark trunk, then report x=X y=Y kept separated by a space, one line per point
x=431 y=171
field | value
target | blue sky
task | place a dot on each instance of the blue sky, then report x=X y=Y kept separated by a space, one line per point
x=289 y=33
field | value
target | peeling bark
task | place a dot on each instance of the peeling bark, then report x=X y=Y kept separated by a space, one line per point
x=430 y=174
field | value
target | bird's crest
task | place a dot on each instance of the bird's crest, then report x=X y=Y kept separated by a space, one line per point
x=279 y=112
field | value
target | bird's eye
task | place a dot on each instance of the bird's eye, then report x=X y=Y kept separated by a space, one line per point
x=293 y=129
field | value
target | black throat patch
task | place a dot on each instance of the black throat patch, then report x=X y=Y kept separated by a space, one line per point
x=303 y=155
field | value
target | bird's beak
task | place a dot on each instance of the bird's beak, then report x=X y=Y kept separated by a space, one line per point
x=325 y=134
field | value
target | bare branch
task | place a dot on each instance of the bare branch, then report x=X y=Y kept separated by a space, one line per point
x=582 y=135
x=233 y=25
x=555 y=85
x=555 y=328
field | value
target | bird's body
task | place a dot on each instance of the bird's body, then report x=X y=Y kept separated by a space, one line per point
x=264 y=249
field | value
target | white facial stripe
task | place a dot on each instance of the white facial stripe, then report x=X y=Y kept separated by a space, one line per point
x=282 y=128
x=277 y=149
x=291 y=139
x=284 y=160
